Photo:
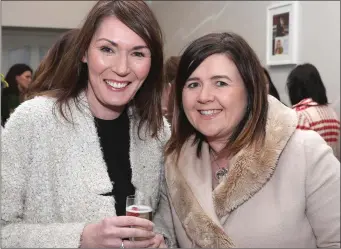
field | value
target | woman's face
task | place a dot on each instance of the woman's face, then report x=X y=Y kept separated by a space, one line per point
x=118 y=63
x=214 y=98
x=24 y=80
x=279 y=44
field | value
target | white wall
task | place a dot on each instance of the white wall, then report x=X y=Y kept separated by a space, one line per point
x=26 y=45
x=44 y=14
x=36 y=24
x=184 y=21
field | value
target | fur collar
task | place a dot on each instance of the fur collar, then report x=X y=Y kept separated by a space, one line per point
x=249 y=171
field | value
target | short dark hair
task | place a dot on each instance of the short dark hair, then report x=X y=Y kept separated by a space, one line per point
x=71 y=75
x=304 y=81
x=272 y=89
x=251 y=129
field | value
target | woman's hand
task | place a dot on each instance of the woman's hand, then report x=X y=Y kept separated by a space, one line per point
x=110 y=232
x=158 y=241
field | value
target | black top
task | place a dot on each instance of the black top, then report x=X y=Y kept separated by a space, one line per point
x=114 y=139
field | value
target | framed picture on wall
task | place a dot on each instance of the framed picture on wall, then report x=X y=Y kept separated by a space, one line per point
x=282 y=33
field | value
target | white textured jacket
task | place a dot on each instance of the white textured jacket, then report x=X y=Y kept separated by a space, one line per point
x=53 y=174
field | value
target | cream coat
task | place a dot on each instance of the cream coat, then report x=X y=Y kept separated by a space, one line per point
x=285 y=194
x=53 y=174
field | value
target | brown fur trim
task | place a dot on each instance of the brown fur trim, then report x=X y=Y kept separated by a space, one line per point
x=251 y=169
x=198 y=226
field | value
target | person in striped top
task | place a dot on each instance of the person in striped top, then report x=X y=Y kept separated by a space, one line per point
x=308 y=97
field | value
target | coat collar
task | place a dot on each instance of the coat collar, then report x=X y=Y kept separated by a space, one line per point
x=249 y=171
x=304 y=104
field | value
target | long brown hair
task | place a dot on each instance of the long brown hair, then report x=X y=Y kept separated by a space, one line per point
x=48 y=65
x=71 y=74
x=252 y=126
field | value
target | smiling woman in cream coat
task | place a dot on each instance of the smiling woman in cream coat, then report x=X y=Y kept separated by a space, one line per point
x=270 y=185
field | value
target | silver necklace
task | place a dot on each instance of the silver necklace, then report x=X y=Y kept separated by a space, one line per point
x=222 y=172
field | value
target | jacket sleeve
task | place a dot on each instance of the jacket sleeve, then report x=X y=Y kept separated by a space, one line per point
x=17 y=141
x=323 y=191
x=163 y=219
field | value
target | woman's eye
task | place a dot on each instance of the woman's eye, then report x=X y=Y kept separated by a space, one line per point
x=138 y=54
x=221 y=83
x=193 y=85
x=106 y=50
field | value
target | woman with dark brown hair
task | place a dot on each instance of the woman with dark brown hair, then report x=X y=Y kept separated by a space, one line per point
x=91 y=134
x=238 y=172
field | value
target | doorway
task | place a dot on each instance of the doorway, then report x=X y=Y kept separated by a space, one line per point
x=26 y=45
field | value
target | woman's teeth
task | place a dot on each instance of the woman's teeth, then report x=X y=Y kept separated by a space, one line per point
x=209 y=112
x=116 y=84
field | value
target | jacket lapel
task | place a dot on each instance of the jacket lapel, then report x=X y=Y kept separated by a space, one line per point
x=90 y=155
x=146 y=159
x=146 y=154
x=193 y=204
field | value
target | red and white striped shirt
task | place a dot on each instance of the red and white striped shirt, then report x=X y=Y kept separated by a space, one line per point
x=322 y=119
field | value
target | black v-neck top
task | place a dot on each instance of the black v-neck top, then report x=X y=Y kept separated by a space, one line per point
x=115 y=141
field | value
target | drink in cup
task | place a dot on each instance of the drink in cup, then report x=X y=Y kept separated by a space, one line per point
x=139 y=207
x=140 y=211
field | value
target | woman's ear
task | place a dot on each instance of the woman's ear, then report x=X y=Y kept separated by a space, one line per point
x=85 y=58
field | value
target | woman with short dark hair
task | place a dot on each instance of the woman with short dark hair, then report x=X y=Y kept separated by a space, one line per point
x=238 y=172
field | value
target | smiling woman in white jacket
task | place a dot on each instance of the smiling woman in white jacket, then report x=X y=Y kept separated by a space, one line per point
x=53 y=175
x=58 y=186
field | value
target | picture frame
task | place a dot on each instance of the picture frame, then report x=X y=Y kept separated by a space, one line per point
x=282 y=32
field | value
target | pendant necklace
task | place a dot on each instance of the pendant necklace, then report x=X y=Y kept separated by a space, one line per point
x=222 y=172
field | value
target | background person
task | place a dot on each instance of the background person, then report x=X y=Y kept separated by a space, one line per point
x=308 y=96
x=18 y=77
